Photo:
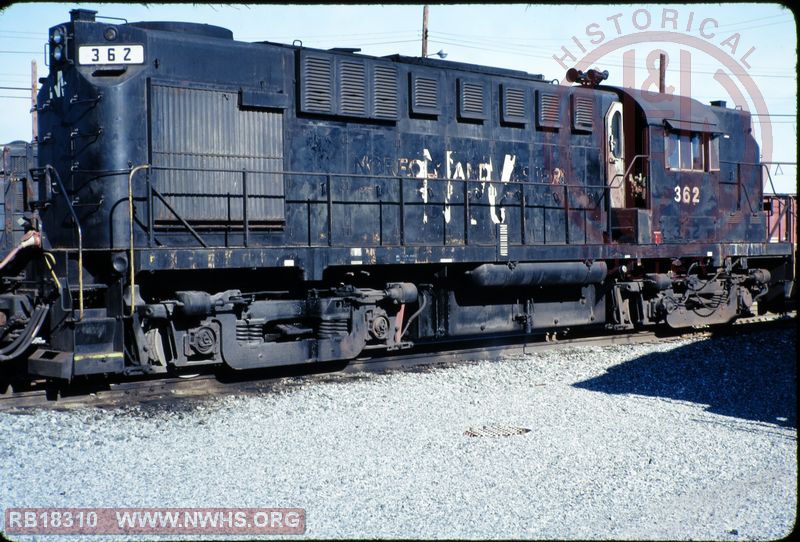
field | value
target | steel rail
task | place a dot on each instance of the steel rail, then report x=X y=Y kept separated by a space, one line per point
x=257 y=381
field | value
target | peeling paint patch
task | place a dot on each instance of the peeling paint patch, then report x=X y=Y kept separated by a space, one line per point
x=508 y=168
x=492 y=194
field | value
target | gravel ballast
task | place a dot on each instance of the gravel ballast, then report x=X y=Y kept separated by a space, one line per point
x=686 y=439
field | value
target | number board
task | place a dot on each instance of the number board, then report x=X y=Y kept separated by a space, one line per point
x=111 y=54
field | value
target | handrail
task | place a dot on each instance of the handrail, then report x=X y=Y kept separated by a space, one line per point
x=50 y=168
x=785 y=212
x=369 y=176
x=627 y=171
x=182 y=220
x=769 y=176
x=611 y=185
x=747 y=197
x=133 y=172
x=328 y=178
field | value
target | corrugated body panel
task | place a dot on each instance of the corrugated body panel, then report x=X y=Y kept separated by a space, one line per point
x=316 y=85
x=385 y=93
x=549 y=110
x=582 y=112
x=514 y=109
x=471 y=100
x=353 y=89
x=425 y=92
x=205 y=130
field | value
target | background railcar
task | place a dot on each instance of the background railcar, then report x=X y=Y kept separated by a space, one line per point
x=203 y=201
x=18 y=190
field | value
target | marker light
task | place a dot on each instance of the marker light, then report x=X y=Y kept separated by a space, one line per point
x=58 y=53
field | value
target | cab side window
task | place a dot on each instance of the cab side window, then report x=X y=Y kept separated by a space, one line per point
x=686 y=151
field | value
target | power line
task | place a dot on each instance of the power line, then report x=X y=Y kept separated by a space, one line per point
x=495 y=38
x=24 y=33
x=331 y=36
x=503 y=39
x=15 y=38
x=758 y=26
x=549 y=57
x=752 y=20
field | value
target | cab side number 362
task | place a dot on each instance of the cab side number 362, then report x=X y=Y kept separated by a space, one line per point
x=687 y=194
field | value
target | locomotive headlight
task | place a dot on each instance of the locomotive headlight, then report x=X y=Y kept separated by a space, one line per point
x=58 y=53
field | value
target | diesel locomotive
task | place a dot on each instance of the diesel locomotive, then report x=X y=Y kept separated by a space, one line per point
x=193 y=200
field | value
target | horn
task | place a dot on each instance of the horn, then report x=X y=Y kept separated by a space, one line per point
x=573 y=75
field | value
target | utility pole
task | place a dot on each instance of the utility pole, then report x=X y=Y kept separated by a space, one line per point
x=34 y=112
x=425 y=31
x=662 y=72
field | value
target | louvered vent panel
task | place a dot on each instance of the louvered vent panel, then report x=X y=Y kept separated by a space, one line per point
x=514 y=105
x=426 y=95
x=472 y=101
x=582 y=112
x=19 y=197
x=353 y=89
x=385 y=96
x=317 y=85
x=549 y=110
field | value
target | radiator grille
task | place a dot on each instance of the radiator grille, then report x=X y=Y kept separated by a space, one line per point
x=317 y=85
x=582 y=112
x=472 y=103
x=549 y=110
x=514 y=110
x=353 y=91
x=425 y=92
x=385 y=99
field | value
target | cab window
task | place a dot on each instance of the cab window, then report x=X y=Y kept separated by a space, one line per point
x=685 y=151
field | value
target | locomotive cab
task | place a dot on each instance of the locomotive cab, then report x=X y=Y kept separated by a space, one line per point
x=675 y=174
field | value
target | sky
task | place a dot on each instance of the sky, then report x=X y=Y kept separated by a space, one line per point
x=745 y=54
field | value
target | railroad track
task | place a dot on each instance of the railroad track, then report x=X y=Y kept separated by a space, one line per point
x=159 y=389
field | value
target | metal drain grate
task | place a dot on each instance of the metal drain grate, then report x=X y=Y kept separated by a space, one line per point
x=495 y=431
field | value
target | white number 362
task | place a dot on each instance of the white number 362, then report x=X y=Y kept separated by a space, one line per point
x=687 y=194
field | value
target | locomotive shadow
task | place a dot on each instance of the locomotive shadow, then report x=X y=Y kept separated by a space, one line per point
x=759 y=384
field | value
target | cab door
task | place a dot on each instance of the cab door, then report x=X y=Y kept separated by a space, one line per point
x=615 y=155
